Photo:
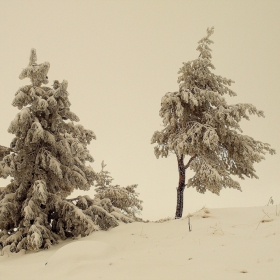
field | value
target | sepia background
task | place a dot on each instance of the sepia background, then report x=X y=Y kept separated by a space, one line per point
x=121 y=57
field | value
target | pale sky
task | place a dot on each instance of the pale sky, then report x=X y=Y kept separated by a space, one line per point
x=121 y=57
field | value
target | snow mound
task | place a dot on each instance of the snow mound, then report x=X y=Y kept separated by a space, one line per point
x=82 y=250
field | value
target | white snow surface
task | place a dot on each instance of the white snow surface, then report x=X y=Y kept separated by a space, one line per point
x=228 y=243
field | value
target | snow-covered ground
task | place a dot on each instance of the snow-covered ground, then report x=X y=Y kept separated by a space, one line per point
x=224 y=244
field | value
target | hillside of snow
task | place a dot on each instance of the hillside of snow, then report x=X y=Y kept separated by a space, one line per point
x=229 y=243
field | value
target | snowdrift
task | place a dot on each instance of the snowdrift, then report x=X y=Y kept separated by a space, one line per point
x=232 y=243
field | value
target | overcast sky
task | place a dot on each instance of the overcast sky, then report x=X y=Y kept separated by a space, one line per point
x=121 y=57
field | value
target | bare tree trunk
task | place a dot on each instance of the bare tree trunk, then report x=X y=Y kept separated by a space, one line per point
x=181 y=187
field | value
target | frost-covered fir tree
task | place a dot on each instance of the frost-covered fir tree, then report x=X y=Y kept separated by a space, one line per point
x=47 y=160
x=201 y=125
x=123 y=198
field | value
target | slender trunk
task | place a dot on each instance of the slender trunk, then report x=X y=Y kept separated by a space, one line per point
x=181 y=187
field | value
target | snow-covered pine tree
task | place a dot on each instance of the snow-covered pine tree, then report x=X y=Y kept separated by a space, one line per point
x=47 y=161
x=124 y=199
x=200 y=124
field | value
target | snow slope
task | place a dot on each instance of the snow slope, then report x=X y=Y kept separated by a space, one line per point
x=224 y=244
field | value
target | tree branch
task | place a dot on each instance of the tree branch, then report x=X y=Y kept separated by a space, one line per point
x=4 y=151
x=72 y=199
x=191 y=159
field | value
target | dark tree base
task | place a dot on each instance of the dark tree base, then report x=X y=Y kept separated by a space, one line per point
x=180 y=189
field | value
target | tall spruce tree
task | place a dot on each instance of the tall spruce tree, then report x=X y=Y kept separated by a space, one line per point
x=199 y=123
x=47 y=161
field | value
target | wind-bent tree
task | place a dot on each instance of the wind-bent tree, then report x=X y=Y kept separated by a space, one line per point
x=200 y=124
x=47 y=161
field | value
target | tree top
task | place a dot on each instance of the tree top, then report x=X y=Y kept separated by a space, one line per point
x=36 y=72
